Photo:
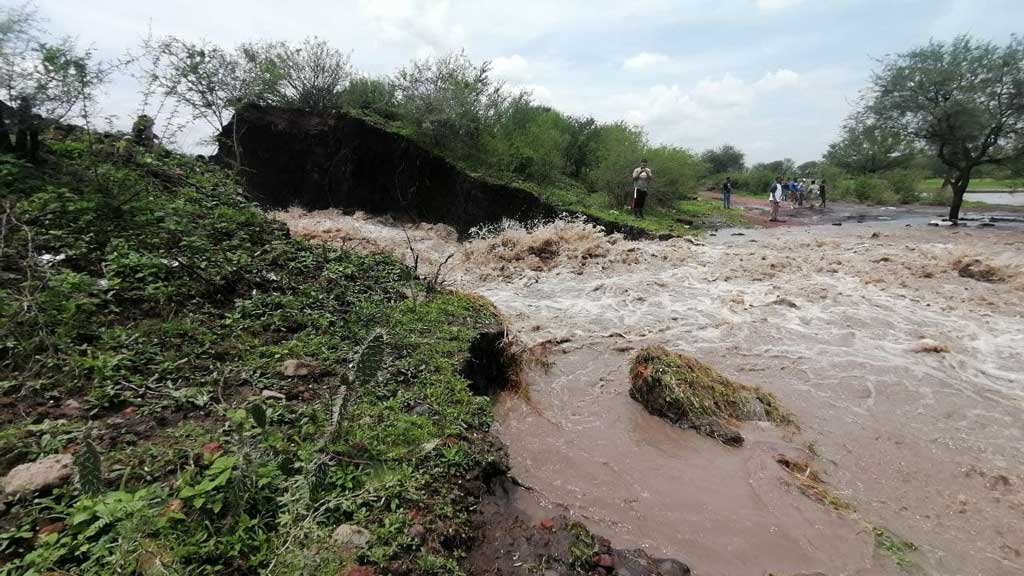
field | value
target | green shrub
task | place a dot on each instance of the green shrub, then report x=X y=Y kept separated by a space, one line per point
x=904 y=184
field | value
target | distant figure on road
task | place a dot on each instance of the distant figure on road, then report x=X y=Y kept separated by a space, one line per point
x=821 y=191
x=727 y=193
x=642 y=177
x=812 y=191
x=775 y=195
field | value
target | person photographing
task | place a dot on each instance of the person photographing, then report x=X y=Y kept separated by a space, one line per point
x=642 y=177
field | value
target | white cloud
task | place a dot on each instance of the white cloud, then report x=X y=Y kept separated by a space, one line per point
x=781 y=78
x=513 y=68
x=645 y=60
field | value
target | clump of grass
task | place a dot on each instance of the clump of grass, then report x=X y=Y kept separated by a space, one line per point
x=691 y=394
x=811 y=483
x=896 y=547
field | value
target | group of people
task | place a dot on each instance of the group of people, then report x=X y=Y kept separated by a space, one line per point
x=796 y=191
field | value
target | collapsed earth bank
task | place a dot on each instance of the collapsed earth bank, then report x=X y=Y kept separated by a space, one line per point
x=292 y=157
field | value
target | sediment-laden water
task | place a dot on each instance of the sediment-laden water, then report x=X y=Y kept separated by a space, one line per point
x=926 y=444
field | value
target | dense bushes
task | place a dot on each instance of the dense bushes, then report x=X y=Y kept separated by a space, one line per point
x=144 y=307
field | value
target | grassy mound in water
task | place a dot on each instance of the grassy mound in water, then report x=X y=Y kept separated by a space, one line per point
x=215 y=397
x=691 y=394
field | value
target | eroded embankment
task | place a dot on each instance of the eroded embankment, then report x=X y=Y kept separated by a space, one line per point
x=829 y=319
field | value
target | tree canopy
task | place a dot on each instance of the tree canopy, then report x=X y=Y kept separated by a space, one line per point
x=963 y=100
x=725 y=158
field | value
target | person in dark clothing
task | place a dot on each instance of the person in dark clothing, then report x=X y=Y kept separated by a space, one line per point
x=727 y=193
x=642 y=177
x=821 y=189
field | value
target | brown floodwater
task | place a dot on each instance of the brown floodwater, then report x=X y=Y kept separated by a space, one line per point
x=928 y=445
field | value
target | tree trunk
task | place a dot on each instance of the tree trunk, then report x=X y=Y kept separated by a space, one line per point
x=959 y=187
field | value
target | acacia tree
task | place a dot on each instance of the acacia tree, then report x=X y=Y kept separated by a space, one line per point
x=962 y=99
x=725 y=158
x=867 y=147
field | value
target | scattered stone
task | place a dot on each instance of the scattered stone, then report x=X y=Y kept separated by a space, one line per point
x=837 y=223
x=604 y=560
x=547 y=523
x=986 y=225
x=876 y=235
x=783 y=301
x=422 y=410
x=738 y=234
x=47 y=472
x=71 y=409
x=174 y=506
x=129 y=411
x=716 y=429
x=272 y=395
x=930 y=346
x=293 y=368
x=212 y=448
x=350 y=538
x=361 y=571
x=55 y=528
x=942 y=223
x=417 y=532
x=693 y=241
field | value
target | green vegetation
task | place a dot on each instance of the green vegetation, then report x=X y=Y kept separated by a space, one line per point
x=145 y=312
x=448 y=104
x=896 y=547
x=685 y=390
x=977 y=184
x=962 y=100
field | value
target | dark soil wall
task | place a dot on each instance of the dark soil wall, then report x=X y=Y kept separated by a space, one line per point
x=296 y=158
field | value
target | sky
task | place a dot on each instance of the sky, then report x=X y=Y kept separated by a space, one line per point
x=772 y=77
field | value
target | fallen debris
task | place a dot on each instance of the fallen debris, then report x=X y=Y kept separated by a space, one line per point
x=979 y=270
x=930 y=346
x=690 y=394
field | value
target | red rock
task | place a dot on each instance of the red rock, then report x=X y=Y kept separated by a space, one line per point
x=361 y=571
x=129 y=411
x=212 y=448
x=547 y=523
x=604 y=561
x=50 y=529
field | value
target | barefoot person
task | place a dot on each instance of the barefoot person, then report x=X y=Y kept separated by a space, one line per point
x=775 y=195
x=727 y=193
x=642 y=177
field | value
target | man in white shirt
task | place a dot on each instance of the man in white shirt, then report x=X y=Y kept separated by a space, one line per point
x=775 y=195
x=642 y=177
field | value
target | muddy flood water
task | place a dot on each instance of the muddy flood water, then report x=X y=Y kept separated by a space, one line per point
x=906 y=378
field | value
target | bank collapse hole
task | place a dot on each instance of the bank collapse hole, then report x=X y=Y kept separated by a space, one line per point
x=496 y=363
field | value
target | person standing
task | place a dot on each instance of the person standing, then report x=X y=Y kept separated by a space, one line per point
x=821 y=190
x=642 y=177
x=812 y=191
x=727 y=193
x=775 y=195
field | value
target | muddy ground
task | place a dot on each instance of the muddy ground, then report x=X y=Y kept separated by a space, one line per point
x=900 y=360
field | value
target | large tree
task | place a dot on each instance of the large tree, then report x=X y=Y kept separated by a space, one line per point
x=725 y=158
x=962 y=99
x=867 y=147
